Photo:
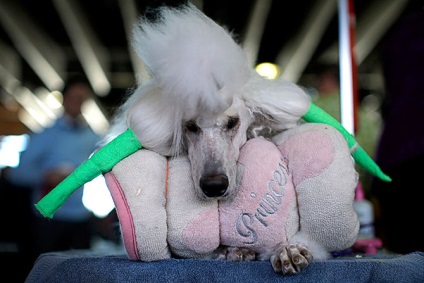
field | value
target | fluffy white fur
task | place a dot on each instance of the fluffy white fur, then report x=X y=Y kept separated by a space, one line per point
x=197 y=69
x=204 y=100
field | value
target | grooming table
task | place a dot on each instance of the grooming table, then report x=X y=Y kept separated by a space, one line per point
x=73 y=266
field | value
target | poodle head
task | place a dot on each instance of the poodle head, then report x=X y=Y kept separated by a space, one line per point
x=213 y=147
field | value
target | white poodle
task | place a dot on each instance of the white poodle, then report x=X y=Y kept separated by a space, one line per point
x=205 y=101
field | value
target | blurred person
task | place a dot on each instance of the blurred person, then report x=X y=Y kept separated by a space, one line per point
x=400 y=150
x=50 y=156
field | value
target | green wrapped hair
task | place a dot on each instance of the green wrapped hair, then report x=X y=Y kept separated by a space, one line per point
x=100 y=162
x=316 y=114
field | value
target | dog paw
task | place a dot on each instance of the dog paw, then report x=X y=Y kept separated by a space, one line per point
x=233 y=254
x=220 y=253
x=240 y=254
x=290 y=258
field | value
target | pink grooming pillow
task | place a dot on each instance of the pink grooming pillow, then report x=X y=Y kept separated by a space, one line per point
x=138 y=188
x=193 y=224
x=301 y=181
x=257 y=216
x=125 y=216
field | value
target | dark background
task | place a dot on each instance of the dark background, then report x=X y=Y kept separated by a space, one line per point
x=41 y=21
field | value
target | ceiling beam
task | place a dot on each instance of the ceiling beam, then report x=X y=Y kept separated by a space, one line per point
x=295 y=56
x=91 y=54
x=41 y=53
x=255 y=29
x=130 y=17
x=10 y=70
x=34 y=114
x=374 y=24
x=10 y=59
x=370 y=28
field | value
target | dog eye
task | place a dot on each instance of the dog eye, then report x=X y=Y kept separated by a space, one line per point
x=191 y=126
x=232 y=122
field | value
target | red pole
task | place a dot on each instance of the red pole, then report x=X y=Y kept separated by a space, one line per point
x=355 y=96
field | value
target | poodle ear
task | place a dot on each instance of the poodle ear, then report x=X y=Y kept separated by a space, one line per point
x=154 y=129
x=276 y=104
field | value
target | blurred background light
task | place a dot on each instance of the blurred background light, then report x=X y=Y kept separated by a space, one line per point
x=268 y=70
x=97 y=197
x=10 y=149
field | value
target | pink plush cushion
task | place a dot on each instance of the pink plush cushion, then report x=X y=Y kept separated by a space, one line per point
x=193 y=223
x=304 y=180
x=125 y=217
x=138 y=187
x=305 y=160
x=201 y=235
x=258 y=215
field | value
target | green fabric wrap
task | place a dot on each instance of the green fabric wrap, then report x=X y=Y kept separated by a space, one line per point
x=100 y=162
x=317 y=115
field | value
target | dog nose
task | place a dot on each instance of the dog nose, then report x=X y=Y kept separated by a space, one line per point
x=214 y=185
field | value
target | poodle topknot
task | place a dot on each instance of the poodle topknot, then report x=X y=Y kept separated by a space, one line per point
x=194 y=60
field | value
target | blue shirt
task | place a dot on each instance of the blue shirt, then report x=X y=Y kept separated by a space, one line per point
x=62 y=145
